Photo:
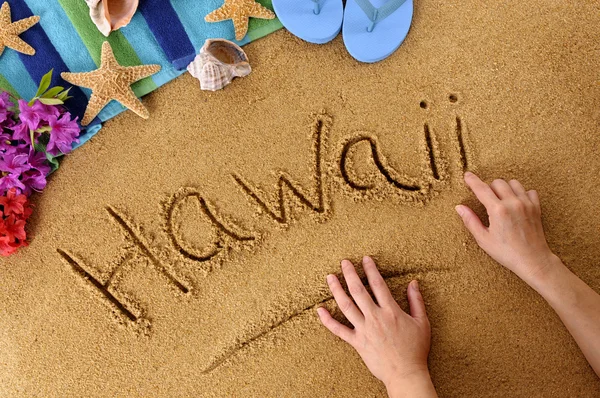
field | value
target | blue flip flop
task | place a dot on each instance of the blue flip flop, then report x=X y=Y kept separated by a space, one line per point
x=315 y=21
x=374 y=29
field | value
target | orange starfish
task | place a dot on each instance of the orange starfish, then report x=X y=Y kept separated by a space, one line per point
x=111 y=81
x=10 y=31
x=239 y=11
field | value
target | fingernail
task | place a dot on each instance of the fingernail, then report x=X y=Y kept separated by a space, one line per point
x=468 y=174
x=416 y=285
x=319 y=311
x=330 y=279
x=459 y=209
x=366 y=258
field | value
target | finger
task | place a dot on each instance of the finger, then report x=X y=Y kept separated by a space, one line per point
x=341 y=331
x=484 y=193
x=357 y=289
x=380 y=289
x=416 y=303
x=346 y=305
x=502 y=189
x=534 y=197
x=518 y=189
x=472 y=222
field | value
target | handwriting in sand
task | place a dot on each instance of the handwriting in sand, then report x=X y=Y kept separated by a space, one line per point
x=281 y=207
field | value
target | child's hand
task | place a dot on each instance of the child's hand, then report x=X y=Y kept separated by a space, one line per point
x=393 y=344
x=515 y=237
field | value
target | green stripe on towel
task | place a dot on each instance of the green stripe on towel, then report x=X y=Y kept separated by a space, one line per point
x=6 y=86
x=78 y=13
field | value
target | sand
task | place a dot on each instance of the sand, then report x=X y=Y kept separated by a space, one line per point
x=166 y=263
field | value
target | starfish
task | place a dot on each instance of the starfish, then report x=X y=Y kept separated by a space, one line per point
x=111 y=81
x=10 y=31
x=239 y=11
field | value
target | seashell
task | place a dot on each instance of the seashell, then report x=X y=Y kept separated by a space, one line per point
x=109 y=15
x=219 y=62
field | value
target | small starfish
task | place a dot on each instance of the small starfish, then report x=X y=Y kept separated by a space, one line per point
x=10 y=31
x=111 y=81
x=239 y=11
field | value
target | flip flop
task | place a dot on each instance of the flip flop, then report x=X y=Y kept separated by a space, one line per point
x=374 y=29
x=315 y=21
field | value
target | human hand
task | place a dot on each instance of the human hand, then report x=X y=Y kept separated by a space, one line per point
x=393 y=344
x=515 y=237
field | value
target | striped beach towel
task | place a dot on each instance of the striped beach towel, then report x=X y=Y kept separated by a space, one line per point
x=165 y=32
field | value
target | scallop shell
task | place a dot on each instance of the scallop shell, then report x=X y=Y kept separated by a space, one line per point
x=219 y=62
x=109 y=15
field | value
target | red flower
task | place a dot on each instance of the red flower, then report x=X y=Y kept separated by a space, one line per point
x=14 y=228
x=15 y=211
x=13 y=203
x=7 y=248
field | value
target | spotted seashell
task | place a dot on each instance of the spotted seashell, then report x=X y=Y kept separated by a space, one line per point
x=219 y=62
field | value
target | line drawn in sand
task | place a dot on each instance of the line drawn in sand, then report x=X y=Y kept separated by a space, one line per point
x=102 y=287
x=386 y=181
x=139 y=243
x=223 y=234
x=231 y=351
x=280 y=208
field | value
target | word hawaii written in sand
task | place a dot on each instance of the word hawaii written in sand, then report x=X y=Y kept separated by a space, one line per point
x=289 y=201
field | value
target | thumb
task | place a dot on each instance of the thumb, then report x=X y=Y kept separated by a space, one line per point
x=471 y=221
x=415 y=301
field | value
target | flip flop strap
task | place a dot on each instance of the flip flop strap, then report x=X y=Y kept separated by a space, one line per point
x=317 y=9
x=381 y=13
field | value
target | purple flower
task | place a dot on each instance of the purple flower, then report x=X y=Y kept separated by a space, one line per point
x=11 y=181
x=37 y=161
x=29 y=115
x=21 y=132
x=5 y=136
x=8 y=148
x=15 y=163
x=64 y=132
x=45 y=111
x=5 y=103
x=33 y=180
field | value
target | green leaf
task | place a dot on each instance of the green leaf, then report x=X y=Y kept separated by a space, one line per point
x=32 y=136
x=53 y=92
x=44 y=129
x=44 y=83
x=64 y=95
x=53 y=162
x=39 y=147
x=51 y=101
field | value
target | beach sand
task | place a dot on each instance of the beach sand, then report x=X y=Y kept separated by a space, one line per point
x=165 y=263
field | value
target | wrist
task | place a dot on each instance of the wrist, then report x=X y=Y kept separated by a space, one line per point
x=546 y=279
x=414 y=384
x=544 y=271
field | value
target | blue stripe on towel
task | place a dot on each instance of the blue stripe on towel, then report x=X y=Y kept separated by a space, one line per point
x=46 y=58
x=148 y=50
x=14 y=71
x=192 y=13
x=169 y=32
x=62 y=34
